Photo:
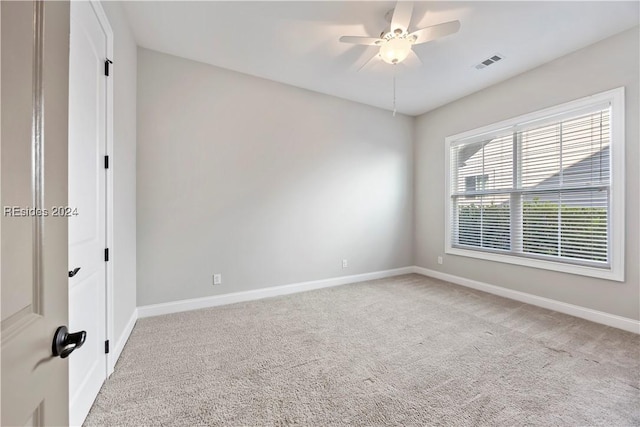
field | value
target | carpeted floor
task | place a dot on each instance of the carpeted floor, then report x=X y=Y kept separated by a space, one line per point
x=407 y=350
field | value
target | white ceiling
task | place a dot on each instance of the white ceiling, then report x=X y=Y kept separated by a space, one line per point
x=297 y=42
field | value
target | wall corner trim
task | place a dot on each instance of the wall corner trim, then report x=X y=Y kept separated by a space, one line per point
x=596 y=316
x=232 y=298
x=122 y=340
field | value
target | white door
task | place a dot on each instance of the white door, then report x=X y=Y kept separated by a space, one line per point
x=35 y=36
x=87 y=181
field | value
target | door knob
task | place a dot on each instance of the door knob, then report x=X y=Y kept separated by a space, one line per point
x=64 y=343
x=74 y=271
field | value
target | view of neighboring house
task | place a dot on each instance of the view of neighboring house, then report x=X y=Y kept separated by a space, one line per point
x=523 y=176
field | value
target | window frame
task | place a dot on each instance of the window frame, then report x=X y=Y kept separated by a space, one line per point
x=615 y=271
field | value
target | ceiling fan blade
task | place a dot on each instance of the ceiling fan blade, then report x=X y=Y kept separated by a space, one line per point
x=435 y=32
x=371 y=41
x=401 y=16
x=412 y=60
x=373 y=60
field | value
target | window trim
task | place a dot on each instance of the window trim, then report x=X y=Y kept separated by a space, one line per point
x=615 y=271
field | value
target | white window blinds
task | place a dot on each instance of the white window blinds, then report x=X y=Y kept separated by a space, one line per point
x=539 y=189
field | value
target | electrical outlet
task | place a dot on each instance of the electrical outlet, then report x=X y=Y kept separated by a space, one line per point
x=345 y=263
x=440 y=260
x=217 y=279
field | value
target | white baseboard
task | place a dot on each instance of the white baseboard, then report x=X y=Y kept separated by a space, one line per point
x=562 y=307
x=601 y=317
x=217 y=300
x=119 y=346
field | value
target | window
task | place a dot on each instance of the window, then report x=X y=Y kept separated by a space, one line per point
x=543 y=190
x=476 y=182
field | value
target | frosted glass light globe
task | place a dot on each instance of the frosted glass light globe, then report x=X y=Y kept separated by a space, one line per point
x=395 y=50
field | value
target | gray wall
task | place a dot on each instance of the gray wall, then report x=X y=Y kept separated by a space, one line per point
x=606 y=65
x=124 y=168
x=265 y=183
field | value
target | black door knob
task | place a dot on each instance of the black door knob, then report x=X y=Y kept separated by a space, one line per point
x=64 y=343
x=74 y=271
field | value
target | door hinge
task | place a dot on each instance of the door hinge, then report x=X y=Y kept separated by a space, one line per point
x=106 y=254
x=106 y=162
x=106 y=346
x=107 y=62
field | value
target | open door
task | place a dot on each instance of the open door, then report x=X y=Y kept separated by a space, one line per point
x=89 y=73
x=34 y=294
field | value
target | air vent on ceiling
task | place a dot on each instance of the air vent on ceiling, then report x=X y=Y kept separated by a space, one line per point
x=491 y=60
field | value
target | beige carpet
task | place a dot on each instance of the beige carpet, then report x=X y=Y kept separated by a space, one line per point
x=402 y=351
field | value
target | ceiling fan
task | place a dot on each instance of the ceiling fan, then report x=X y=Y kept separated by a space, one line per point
x=396 y=43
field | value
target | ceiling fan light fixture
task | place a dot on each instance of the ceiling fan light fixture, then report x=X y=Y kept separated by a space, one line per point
x=395 y=49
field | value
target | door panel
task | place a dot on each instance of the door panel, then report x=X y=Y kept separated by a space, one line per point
x=87 y=368
x=35 y=43
x=17 y=64
x=87 y=181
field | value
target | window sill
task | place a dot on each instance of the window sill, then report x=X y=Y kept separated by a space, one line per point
x=600 y=273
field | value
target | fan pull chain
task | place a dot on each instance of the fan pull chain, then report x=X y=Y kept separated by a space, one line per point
x=394 y=95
